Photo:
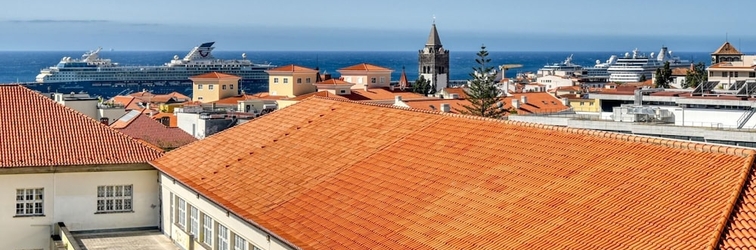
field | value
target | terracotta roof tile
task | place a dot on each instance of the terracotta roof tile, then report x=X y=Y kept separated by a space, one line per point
x=293 y=68
x=173 y=122
x=342 y=175
x=36 y=131
x=214 y=75
x=234 y=100
x=364 y=67
x=374 y=94
x=459 y=91
x=142 y=127
x=334 y=82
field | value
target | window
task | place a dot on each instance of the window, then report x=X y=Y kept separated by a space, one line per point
x=114 y=198
x=231 y=86
x=239 y=243
x=29 y=201
x=181 y=221
x=199 y=86
x=751 y=74
x=207 y=230
x=736 y=73
x=256 y=248
x=383 y=79
x=222 y=237
x=199 y=98
x=224 y=86
x=307 y=80
x=724 y=74
x=210 y=86
x=299 y=80
x=372 y=80
x=194 y=221
x=172 y=218
x=275 y=80
x=286 y=80
x=359 y=79
x=343 y=91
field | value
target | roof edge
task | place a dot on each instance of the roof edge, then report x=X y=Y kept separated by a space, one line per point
x=734 y=197
x=161 y=168
x=696 y=146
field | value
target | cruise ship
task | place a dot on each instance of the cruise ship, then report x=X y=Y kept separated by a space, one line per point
x=631 y=68
x=596 y=73
x=102 y=77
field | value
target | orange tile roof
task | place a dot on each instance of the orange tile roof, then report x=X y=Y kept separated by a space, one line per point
x=364 y=67
x=142 y=127
x=319 y=93
x=128 y=102
x=36 y=131
x=293 y=68
x=537 y=103
x=334 y=82
x=374 y=94
x=213 y=75
x=727 y=49
x=459 y=91
x=330 y=174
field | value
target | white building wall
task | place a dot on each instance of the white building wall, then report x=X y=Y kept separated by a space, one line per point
x=72 y=198
x=234 y=224
x=86 y=107
x=712 y=118
x=111 y=113
x=554 y=81
x=188 y=122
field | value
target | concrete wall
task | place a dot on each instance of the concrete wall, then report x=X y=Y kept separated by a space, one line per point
x=235 y=225
x=72 y=198
x=188 y=123
x=111 y=113
x=86 y=107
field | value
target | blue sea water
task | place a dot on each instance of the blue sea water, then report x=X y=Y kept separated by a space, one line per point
x=24 y=66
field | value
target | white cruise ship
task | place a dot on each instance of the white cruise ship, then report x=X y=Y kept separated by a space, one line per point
x=103 y=77
x=566 y=68
x=596 y=73
x=630 y=68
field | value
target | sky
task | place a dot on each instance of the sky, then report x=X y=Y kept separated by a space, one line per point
x=388 y=25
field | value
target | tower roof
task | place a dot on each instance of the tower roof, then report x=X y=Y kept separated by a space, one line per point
x=433 y=39
x=727 y=49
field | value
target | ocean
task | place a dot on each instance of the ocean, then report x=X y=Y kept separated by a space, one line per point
x=24 y=66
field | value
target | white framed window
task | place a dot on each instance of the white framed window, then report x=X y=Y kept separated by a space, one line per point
x=231 y=86
x=307 y=80
x=207 y=230
x=286 y=80
x=222 y=237
x=29 y=201
x=199 y=86
x=275 y=80
x=116 y=198
x=256 y=248
x=372 y=80
x=172 y=207
x=224 y=86
x=210 y=86
x=359 y=79
x=199 y=98
x=194 y=221
x=299 y=80
x=239 y=243
x=383 y=79
x=181 y=221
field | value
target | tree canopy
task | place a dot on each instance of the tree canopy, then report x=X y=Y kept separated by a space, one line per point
x=482 y=92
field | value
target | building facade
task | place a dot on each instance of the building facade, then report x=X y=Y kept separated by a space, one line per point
x=291 y=80
x=214 y=86
x=433 y=61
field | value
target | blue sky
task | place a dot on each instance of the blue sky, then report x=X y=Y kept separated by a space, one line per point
x=388 y=25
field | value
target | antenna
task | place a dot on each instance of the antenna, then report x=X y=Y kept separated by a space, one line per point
x=434 y=19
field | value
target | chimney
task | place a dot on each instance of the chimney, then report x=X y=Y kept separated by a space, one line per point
x=445 y=107
x=366 y=87
x=397 y=99
x=104 y=120
x=515 y=104
x=565 y=101
x=454 y=96
x=392 y=88
x=523 y=99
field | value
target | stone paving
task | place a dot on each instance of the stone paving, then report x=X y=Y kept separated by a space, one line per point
x=132 y=240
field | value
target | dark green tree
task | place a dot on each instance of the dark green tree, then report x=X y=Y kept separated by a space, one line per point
x=482 y=92
x=696 y=76
x=421 y=86
x=663 y=76
x=642 y=78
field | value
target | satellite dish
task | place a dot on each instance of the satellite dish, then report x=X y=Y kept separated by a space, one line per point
x=598 y=61
x=175 y=57
x=627 y=54
x=652 y=54
x=244 y=55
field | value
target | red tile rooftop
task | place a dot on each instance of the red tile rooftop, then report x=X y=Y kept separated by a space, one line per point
x=293 y=68
x=364 y=67
x=329 y=174
x=214 y=75
x=141 y=126
x=36 y=131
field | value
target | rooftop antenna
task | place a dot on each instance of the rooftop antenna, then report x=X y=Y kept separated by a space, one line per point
x=434 y=19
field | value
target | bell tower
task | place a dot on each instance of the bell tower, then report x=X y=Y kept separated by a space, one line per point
x=433 y=61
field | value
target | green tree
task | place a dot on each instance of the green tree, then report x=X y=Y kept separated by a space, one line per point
x=663 y=76
x=421 y=86
x=482 y=92
x=642 y=78
x=696 y=76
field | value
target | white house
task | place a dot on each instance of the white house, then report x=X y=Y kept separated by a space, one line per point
x=58 y=165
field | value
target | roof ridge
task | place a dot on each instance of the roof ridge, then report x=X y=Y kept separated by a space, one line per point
x=81 y=115
x=697 y=146
x=735 y=197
